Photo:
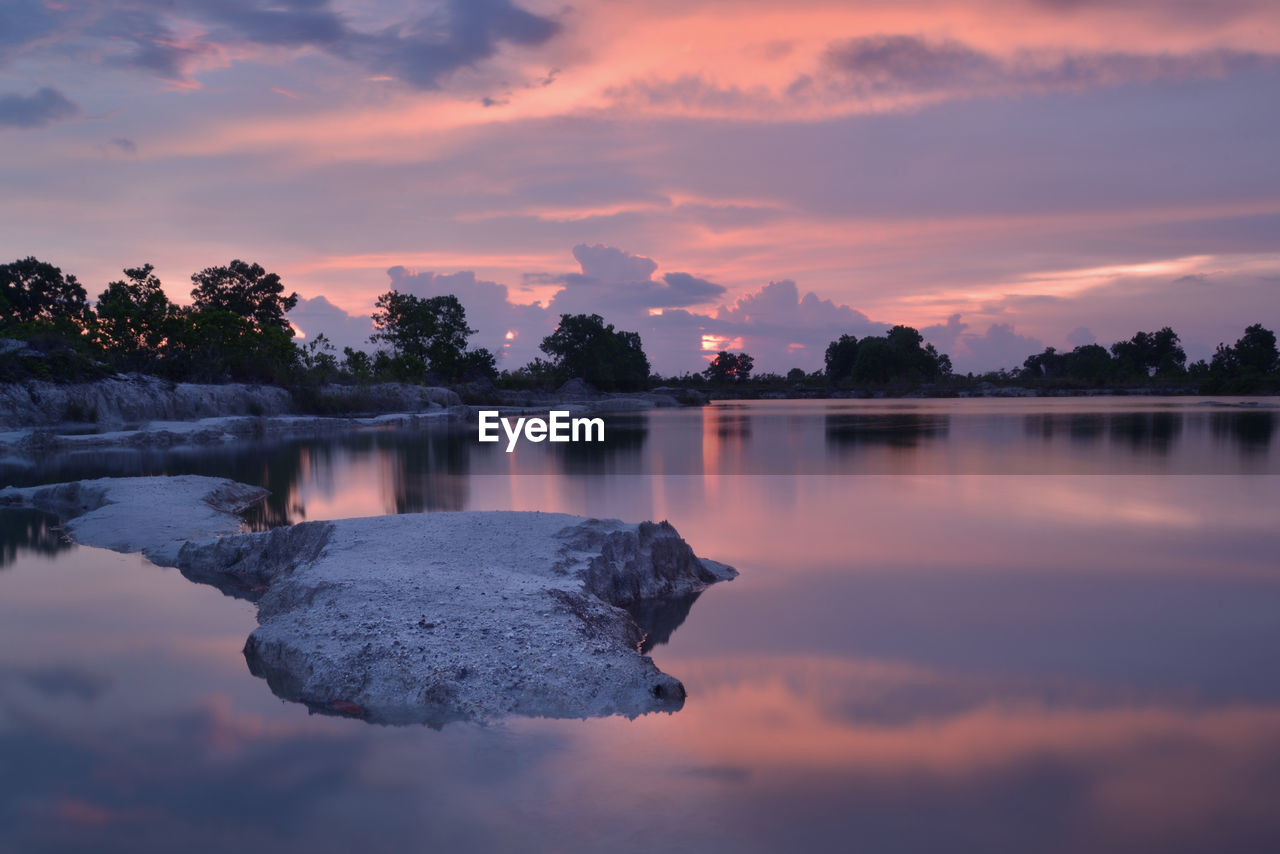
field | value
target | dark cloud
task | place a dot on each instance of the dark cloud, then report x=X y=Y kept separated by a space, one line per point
x=144 y=34
x=688 y=91
x=291 y=23
x=39 y=109
x=22 y=22
x=906 y=63
x=123 y=144
x=901 y=64
x=462 y=34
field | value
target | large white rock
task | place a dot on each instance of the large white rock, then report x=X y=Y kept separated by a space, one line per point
x=416 y=618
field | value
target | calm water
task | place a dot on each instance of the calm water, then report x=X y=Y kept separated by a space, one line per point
x=960 y=625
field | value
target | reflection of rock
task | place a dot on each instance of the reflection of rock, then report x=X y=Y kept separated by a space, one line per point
x=153 y=515
x=417 y=618
x=659 y=618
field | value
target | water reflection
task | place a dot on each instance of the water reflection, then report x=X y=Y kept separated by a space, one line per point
x=912 y=663
x=1147 y=431
x=1251 y=432
x=849 y=431
x=25 y=531
x=659 y=618
x=621 y=451
x=413 y=470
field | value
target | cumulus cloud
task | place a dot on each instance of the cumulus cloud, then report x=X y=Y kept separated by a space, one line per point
x=40 y=109
x=780 y=326
x=154 y=35
x=1081 y=336
x=617 y=282
x=776 y=324
x=1001 y=346
x=317 y=315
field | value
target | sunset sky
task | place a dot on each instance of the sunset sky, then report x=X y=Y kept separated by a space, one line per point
x=1002 y=175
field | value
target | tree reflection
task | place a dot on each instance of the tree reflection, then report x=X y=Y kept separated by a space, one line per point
x=1147 y=431
x=621 y=452
x=1084 y=427
x=1251 y=432
x=849 y=431
x=429 y=469
x=728 y=423
x=30 y=531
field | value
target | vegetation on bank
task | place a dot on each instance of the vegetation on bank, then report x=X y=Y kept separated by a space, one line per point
x=235 y=329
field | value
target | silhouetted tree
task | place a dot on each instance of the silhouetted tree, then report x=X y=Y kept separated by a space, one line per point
x=36 y=293
x=357 y=363
x=318 y=358
x=245 y=290
x=840 y=356
x=1150 y=353
x=479 y=363
x=426 y=333
x=1090 y=363
x=897 y=356
x=1255 y=351
x=134 y=319
x=584 y=346
x=729 y=367
x=215 y=345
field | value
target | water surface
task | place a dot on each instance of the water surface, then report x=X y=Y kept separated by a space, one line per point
x=1048 y=625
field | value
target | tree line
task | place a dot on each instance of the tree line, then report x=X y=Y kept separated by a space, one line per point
x=1251 y=363
x=235 y=328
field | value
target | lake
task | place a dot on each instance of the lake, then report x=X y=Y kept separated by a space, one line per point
x=960 y=625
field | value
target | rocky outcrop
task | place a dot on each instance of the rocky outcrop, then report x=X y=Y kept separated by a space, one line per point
x=132 y=398
x=378 y=397
x=423 y=618
x=156 y=516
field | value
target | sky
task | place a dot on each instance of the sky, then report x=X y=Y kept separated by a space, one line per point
x=764 y=176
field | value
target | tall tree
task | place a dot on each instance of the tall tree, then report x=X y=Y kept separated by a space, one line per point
x=134 y=317
x=1151 y=353
x=729 y=367
x=1255 y=351
x=583 y=345
x=36 y=292
x=840 y=356
x=431 y=331
x=245 y=290
x=896 y=356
